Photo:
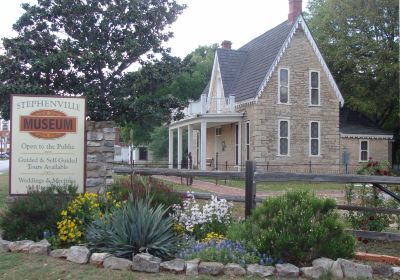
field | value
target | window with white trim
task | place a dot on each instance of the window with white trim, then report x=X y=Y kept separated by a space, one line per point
x=364 y=151
x=283 y=96
x=218 y=131
x=315 y=136
x=236 y=144
x=247 y=141
x=314 y=88
x=283 y=133
x=5 y=125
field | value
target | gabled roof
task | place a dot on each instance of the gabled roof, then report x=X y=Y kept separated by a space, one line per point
x=230 y=63
x=261 y=53
x=355 y=123
x=246 y=71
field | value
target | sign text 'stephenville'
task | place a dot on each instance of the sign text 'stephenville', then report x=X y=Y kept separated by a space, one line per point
x=48 y=142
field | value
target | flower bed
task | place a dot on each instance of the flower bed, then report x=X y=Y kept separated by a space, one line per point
x=140 y=218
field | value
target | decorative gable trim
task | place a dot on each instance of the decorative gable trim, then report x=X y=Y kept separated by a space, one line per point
x=300 y=22
x=215 y=69
x=216 y=78
x=366 y=136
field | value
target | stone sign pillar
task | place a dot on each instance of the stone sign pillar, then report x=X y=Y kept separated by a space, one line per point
x=100 y=154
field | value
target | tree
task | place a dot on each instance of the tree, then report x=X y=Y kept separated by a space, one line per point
x=360 y=42
x=158 y=87
x=84 y=47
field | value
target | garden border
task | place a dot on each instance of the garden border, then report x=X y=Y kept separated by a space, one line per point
x=251 y=177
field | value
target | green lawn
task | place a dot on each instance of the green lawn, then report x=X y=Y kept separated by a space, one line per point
x=3 y=189
x=280 y=186
x=18 y=266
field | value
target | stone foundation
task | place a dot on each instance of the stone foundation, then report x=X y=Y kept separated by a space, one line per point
x=100 y=153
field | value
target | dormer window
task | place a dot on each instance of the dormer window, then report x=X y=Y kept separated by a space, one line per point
x=314 y=88
x=283 y=94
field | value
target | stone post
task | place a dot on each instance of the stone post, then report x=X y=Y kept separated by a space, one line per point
x=100 y=154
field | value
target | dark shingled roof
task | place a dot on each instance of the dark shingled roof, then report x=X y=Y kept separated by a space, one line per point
x=230 y=62
x=244 y=70
x=352 y=122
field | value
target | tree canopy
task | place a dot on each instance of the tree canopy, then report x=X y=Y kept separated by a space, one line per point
x=360 y=42
x=70 y=47
x=169 y=83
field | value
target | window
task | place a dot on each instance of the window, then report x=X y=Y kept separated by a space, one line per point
x=283 y=132
x=5 y=125
x=283 y=86
x=247 y=141
x=236 y=144
x=364 y=150
x=218 y=131
x=314 y=138
x=142 y=153
x=314 y=88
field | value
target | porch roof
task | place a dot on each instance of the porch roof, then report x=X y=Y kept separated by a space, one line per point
x=211 y=119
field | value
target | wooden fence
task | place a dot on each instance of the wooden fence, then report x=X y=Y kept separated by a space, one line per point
x=251 y=177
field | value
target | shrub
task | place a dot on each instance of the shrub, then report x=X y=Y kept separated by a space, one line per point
x=80 y=212
x=135 y=227
x=299 y=227
x=369 y=196
x=214 y=216
x=160 y=192
x=225 y=251
x=29 y=217
x=373 y=167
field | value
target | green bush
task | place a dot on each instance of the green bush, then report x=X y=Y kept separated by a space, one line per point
x=160 y=192
x=369 y=196
x=30 y=216
x=299 y=227
x=135 y=227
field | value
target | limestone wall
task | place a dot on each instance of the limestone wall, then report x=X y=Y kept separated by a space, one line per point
x=299 y=58
x=100 y=153
x=378 y=149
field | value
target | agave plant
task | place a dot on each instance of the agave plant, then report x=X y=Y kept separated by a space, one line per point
x=134 y=228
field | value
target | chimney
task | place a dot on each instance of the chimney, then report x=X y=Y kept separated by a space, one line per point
x=226 y=44
x=295 y=9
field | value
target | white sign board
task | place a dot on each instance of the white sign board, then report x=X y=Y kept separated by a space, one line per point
x=48 y=143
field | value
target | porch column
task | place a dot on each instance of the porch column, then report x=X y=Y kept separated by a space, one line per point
x=240 y=145
x=190 y=141
x=171 y=148
x=203 y=145
x=179 y=147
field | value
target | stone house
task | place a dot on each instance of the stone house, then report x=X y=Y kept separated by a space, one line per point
x=275 y=101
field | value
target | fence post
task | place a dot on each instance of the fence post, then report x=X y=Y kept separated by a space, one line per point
x=250 y=191
x=310 y=170
x=226 y=168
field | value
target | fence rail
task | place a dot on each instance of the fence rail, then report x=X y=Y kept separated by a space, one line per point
x=215 y=164
x=251 y=178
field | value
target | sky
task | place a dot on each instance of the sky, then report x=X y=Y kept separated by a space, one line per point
x=203 y=22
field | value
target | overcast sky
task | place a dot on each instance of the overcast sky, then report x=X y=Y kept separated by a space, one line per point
x=204 y=22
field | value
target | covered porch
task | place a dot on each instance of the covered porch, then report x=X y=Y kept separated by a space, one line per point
x=211 y=138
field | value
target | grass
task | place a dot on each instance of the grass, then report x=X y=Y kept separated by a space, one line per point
x=3 y=189
x=379 y=247
x=16 y=266
x=280 y=186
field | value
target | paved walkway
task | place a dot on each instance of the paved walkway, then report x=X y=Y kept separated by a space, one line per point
x=4 y=166
x=226 y=190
